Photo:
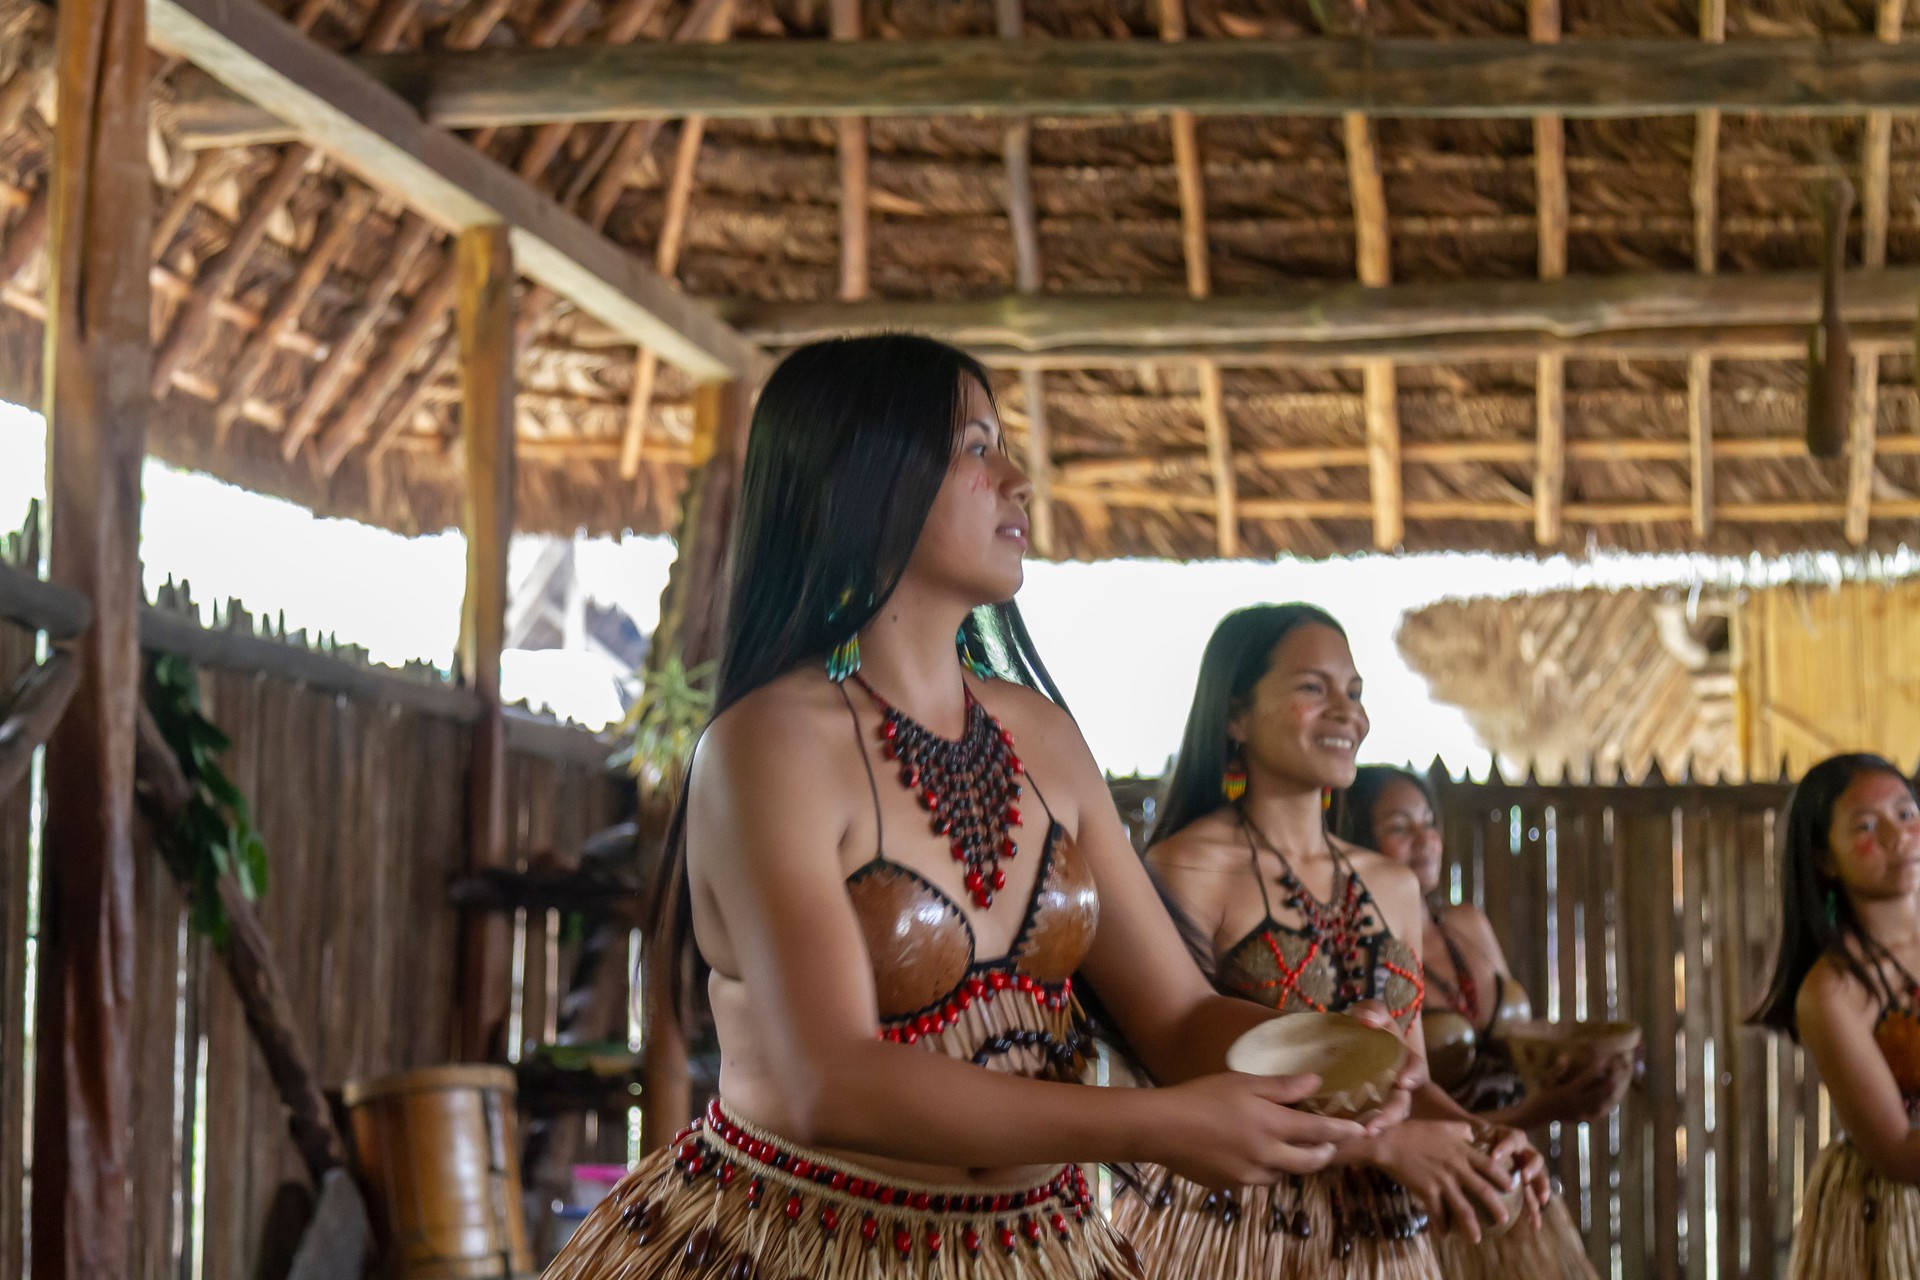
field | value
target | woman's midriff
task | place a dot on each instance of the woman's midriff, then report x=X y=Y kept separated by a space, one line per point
x=752 y=1086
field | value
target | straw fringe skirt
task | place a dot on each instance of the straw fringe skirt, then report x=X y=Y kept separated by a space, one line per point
x=727 y=1202
x=1554 y=1252
x=1854 y=1223
x=1350 y=1224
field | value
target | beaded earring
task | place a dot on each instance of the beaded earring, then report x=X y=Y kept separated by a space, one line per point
x=1233 y=784
x=970 y=658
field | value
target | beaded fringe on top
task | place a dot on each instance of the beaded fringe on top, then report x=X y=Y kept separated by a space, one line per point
x=1554 y=1252
x=1854 y=1224
x=730 y=1203
x=1339 y=1224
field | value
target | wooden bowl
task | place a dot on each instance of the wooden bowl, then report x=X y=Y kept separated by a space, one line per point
x=1545 y=1053
x=1452 y=1045
x=1356 y=1063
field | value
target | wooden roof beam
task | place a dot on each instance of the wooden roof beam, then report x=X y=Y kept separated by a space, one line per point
x=1550 y=369
x=1380 y=386
x=1023 y=224
x=1706 y=256
x=1214 y=425
x=1876 y=209
x=369 y=129
x=1652 y=315
x=1476 y=77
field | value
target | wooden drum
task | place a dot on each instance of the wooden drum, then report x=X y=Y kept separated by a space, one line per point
x=443 y=1167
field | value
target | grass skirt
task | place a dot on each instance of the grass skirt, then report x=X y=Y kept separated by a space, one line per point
x=729 y=1202
x=1354 y=1224
x=1554 y=1252
x=1854 y=1223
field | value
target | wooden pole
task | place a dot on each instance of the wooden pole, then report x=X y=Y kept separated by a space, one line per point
x=98 y=357
x=1023 y=223
x=1550 y=370
x=692 y=614
x=483 y=316
x=1706 y=257
x=1876 y=207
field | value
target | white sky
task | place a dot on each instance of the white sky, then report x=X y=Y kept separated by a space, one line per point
x=1122 y=638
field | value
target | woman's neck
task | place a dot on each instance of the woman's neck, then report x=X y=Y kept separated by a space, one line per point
x=907 y=655
x=1288 y=815
x=1894 y=923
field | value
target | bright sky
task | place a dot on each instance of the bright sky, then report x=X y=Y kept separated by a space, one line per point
x=1122 y=638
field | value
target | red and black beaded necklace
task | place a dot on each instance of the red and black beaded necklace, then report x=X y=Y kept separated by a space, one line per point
x=1462 y=993
x=967 y=785
x=1341 y=927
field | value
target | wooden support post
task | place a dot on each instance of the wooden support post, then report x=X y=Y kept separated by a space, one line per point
x=1876 y=207
x=1373 y=257
x=1017 y=154
x=1550 y=370
x=99 y=353
x=1383 y=453
x=1706 y=256
x=1033 y=385
x=692 y=616
x=854 y=272
x=483 y=316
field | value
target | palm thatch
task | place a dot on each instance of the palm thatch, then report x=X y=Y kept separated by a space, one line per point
x=1461 y=197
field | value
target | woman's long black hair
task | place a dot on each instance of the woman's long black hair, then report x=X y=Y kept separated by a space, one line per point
x=850 y=442
x=1353 y=808
x=1816 y=917
x=1237 y=655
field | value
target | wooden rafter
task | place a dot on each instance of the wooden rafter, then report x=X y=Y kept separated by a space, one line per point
x=1468 y=77
x=206 y=168
x=190 y=326
x=285 y=316
x=1550 y=369
x=1214 y=425
x=399 y=350
x=1339 y=323
x=1876 y=208
x=330 y=378
x=372 y=131
x=1706 y=257
x=1582 y=513
x=1373 y=258
x=844 y=16
x=1024 y=226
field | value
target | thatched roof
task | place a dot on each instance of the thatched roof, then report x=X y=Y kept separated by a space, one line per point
x=1585 y=684
x=1461 y=201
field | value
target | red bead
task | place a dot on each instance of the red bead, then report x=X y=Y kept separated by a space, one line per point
x=930 y=798
x=889 y=729
x=1006 y=737
x=910 y=1036
x=1013 y=816
x=695 y=1165
x=977 y=986
x=999 y=980
x=688 y=1150
x=869 y=1228
x=971 y=1239
x=964 y=999
x=925 y=1024
x=999 y=878
x=726 y=1175
x=1031 y=1230
x=933 y=1240
x=802 y=1169
x=793 y=1208
x=886 y=1195
x=830 y=1220
x=1005 y=1236
x=839 y=1182
x=1059 y=1226
x=903 y=1241
x=920 y=1200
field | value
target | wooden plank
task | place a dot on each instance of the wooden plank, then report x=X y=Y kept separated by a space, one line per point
x=1550 y=448
x=1653 y=866
x=1467 y=77
x=844 y=18
x=485 y=323
x=1697 y=1029
x=1875 y=211
x=1213 y=420
x=400 y=348
x=1336 y=321
x=1388 y=506
x=369 y=129
x=1033 y=387
x=1861 y=438
x=99 y=354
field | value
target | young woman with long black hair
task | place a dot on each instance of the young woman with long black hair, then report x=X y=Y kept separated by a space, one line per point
x=1844 y=987
x=894 y=869
x=1280 y=912
x=1470 y=992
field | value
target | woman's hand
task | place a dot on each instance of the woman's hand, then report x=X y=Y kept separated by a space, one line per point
x=1236 y=1130
x=1413 y=1071
x=1512 y=1149
x=1439 y=1165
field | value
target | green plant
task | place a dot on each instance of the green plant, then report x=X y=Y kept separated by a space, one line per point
x=665 y=721
x=214 y=834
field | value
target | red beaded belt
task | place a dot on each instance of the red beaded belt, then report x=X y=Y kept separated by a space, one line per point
x=830 y=1192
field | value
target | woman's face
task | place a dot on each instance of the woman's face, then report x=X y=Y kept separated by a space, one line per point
x=1304 y=722
x=975 y=538
x=1873 y=840
x=1404 y=829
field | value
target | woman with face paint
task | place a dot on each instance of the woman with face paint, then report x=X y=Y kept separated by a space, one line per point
x=1844 y=987
x=1470 y=994
x=1282 y=913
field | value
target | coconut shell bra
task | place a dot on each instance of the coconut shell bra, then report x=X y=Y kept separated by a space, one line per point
x=1014 y=1012
x=1293 y=969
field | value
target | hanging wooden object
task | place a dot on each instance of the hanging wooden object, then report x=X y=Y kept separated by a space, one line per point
x=1829 y=348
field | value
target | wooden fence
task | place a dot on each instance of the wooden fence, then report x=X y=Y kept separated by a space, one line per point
x=1655 y=903
x=357 y=785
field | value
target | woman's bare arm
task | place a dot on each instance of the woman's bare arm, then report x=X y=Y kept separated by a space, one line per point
x=1837 y=1017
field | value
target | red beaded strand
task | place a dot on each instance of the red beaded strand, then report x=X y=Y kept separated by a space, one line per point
x=968 y=786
